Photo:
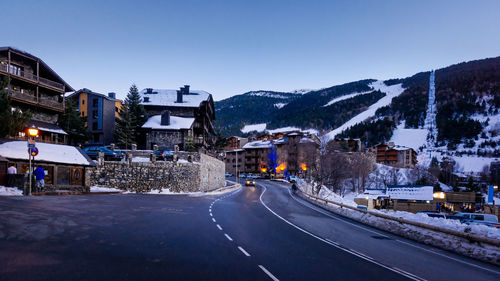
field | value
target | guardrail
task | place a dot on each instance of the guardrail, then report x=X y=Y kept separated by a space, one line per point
x=468 y=236
x=227 y=186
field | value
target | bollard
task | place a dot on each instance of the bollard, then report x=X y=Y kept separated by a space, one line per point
x=100 y=158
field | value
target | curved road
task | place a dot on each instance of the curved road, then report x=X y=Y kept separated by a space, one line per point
x=254 y=233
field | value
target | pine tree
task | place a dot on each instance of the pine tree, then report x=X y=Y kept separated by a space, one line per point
x=137 y=112
x=124 y=131
x=11 y=120
x=73 y=124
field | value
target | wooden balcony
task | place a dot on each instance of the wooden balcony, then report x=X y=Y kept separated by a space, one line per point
x=31 y=77
x=33 y=100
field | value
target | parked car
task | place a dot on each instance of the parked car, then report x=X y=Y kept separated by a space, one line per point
x=293 y=179
x=242 y=176
x=250 y=182
x=164 y=154
x=490 y=224
x=477 y=217
x=93 y=152
x=228 y=175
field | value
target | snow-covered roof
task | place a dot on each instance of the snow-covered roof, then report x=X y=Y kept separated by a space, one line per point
x=234 y=150
x=262 y=143
x=44 y=126
x=306 y=140
x=169 y=97
x=410 y=192
x=176 y=123
x=47 y=152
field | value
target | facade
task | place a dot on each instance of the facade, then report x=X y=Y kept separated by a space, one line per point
x=396 y=155
x=100 y=113
x=410 y=198
x=34 y=86
x=349 y=145
x=234 y=160
x=184 y=103
x=235 y=142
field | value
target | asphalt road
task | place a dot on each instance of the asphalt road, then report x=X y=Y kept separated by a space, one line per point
x=254 y=233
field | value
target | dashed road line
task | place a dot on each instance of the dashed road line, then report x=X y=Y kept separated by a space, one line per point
x=218 y=226
x=243 y=251
x=228 y=237
x=213 y=220
x=268 y=273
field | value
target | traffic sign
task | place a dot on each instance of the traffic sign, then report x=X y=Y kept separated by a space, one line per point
x=33 y=151
x=30 y=145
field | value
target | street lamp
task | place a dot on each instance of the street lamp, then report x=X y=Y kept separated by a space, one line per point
x=32 y=132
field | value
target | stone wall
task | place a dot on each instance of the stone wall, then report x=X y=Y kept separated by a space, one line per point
x=177 y=176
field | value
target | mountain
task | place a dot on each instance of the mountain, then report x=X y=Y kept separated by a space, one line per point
x=461 y=115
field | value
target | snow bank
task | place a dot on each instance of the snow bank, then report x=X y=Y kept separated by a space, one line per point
x=10 y=191
x=255 y=127
x=391 y=92
x=104 y=189
x=140 y=159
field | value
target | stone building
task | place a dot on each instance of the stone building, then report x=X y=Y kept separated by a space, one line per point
x=166 y=131
x=186 y=104
x=34 y=86
x=100 y=113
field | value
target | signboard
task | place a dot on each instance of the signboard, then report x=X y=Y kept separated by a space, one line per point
x=31 y=143
x=408 y=192
x=491 y=190
x=33 y=151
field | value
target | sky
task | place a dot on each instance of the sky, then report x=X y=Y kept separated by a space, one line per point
x=231 y=47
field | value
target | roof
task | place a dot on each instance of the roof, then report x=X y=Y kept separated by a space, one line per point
x=46 y=127
x=262 y=143
x=176 y=123
x=234 y=150
x=163 y=97
x=88 y=91
x=47 y=152
x=410 y=192
x=67 y=86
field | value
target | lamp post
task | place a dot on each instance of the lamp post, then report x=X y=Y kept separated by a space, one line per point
x=32 y=132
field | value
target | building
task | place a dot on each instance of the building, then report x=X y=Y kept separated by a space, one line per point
x=235 y=142
x=34 y=86
x=166 y=131
x=410 y=198
x=396 y=155
x=65 y=166
x=349 y=145
x=100 y=113
x=184 y=103
x=234 y=160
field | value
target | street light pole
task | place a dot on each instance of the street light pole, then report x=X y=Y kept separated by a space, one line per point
x=32 y=132
x=237 y=176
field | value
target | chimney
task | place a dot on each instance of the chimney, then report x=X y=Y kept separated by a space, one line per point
x=165 y=118
x=179 y=95
x=186 y=89
x=149 y=90
x=112 y=95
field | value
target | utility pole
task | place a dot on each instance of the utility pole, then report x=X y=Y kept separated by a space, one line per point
x=237 y=176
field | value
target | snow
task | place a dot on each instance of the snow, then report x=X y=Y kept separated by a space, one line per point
x=256 y=127
x=279 y=105
x=140 y=159
x=391 y=92
x=473 y=164
x=291 y=129
x=104 y=189
x=257 y=144
x=268 y=95
x=48 y=152
x=169 y=98
x=410 y=192
x=10 y=191
x=345 y=97
x=57 y=131
x=413 y=138
x=176 y=123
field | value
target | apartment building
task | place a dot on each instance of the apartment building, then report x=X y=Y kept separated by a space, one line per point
x=396 y=155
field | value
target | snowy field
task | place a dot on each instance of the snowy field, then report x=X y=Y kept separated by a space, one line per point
x=391 y=92
x=414 y=138
x=345 y=97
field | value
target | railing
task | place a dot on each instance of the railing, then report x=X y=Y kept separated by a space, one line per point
x=51 y=103
x=22 y=96
x=30 y=76
x=32 y=98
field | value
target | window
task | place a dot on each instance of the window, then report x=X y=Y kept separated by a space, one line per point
x=95 y=102
x=83 y=101
x=116 y=109
x=83 y=114
x=14 y=69
x=94 y=114
x=94 y=126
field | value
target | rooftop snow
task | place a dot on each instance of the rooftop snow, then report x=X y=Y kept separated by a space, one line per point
x=176 y=123
x=169 y=98
x=48 y=152
x=291 y=129
x=408 y=192
x=256 y=127
x=262 y=143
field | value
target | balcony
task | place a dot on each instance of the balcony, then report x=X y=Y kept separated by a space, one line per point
x=31 y=99
x=30 y=76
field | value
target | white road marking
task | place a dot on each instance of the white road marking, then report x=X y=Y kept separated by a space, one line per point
x=406 y=243
x=218 y=226
x=211 y=214
x=213 y=219
x=243 y=251
x=336 y=246
x=268 y=273
x=227 y=236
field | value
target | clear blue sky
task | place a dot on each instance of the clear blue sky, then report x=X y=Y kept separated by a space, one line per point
x=230 y=47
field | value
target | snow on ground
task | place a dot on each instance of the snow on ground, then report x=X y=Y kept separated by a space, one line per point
x=495 y=199
x=414 y=138
x=344 y=97
x=10 y=191
x=56 y=153
x=255 y=127
x=473 y=164
x=140 y=159
x=290 y=129
x=391 y=92
x=97 y=188
x=279 y=105
x=268 y=95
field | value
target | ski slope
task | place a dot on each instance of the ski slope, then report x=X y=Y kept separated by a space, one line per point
x=390 y=91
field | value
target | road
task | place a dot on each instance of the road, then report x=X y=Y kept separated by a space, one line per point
x=254 y=233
